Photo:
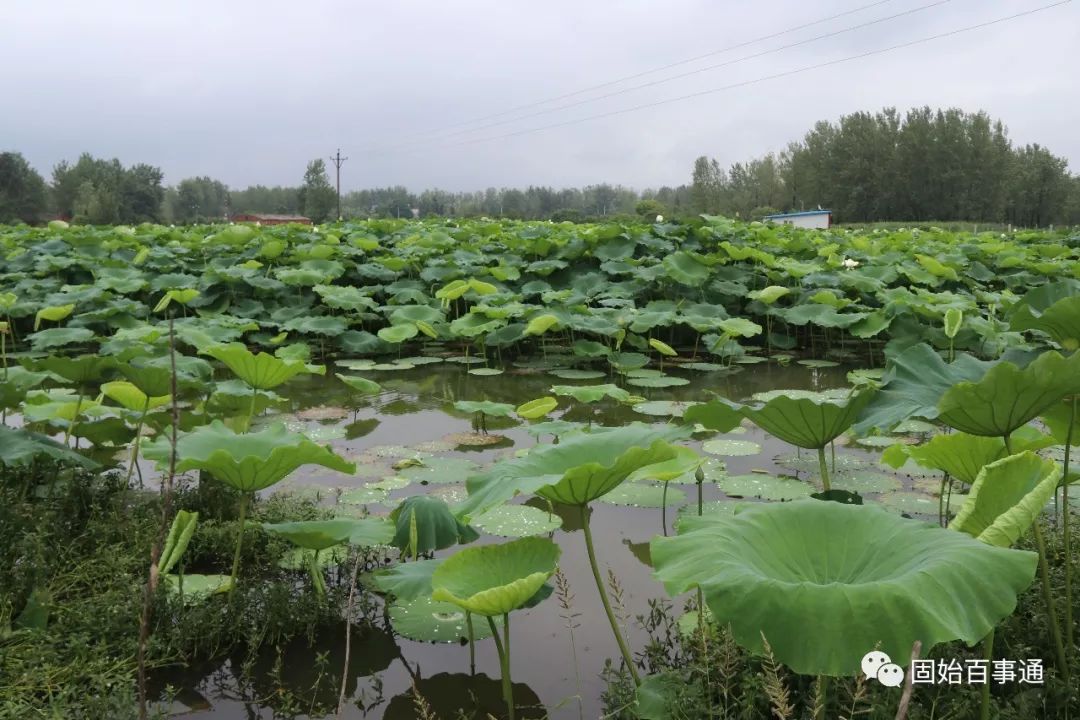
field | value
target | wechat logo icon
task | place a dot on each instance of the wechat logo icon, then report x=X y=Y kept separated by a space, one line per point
x=878 y=665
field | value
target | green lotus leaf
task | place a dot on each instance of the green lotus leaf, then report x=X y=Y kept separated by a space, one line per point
x=913 y=383
x=1006 y=498
x=934 y=585
x=959 y=454
x=79 y=370
x=344 y=297
x=658 y=382
x=730 y=447
x=769 y=295
x=59 y=337
x=486 y=372
x=494 y=580
x=765 y=487
x=645 y=495
x=363 y=385
x=131 y=397
x=248 y=461
x=424 y=523
x=182 y=297
x=1007 y=397
x=53 y=313
x=261 y=371
x=17 y=382
x=541 y=324
x=397 y=334
x=324 y=534
x=682 y=464
x=661 y=695
x=180 y=532
x=592 y=393
x=538 y=408
x=152 y=380
x=808 y=422
x=1053 y=308
x=517 y=521
x=407 y=581
x=686 y=268
x=197 y=588
x=487 y=407
x=739 y=327
x=439 y=470
x=716 y=414
x=578 y=470
x=662 y=347
x=590 y=349
x=625 y=361
x=20 y=448
x=953 y=318
x=427 y=620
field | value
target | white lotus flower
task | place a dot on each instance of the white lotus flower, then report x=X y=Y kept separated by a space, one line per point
x=849 y=263
x=659 y=218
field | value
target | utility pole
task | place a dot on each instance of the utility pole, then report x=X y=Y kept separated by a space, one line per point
x=338 y=162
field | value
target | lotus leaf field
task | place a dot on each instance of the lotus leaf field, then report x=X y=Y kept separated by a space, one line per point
x=338 y=471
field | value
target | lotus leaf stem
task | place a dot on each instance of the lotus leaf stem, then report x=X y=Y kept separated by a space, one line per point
x=627 y=657
x=824 y=469
x=135 y=444
x=988 y=655
x=1065 y=525
x=504 y=662
x=472 y=643
x=244 y=499
x=1051 y=612
x=822 y=699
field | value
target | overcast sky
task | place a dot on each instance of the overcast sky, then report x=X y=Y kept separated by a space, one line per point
x=248 y=91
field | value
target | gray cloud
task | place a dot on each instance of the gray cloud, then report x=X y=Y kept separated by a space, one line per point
x=249 y=91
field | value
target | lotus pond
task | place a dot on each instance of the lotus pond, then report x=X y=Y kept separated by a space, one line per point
x=472 y=469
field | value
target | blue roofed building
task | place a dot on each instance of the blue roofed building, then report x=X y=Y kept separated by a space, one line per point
x=808 y=219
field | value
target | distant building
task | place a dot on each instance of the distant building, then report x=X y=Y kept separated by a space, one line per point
x=265 y=219
x=810 y=219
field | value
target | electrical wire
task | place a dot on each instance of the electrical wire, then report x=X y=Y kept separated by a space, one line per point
x=764 y=78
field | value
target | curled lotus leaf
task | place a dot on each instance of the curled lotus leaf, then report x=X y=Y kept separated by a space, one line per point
x=1007 y=497
x=494 y=580
x=808 y=422
x=261 y=371
x=246 y=461
x=937 y=585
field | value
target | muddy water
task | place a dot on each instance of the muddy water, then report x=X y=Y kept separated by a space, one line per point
x=416 y=407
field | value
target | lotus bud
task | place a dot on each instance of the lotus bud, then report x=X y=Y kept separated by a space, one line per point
x=699 y=475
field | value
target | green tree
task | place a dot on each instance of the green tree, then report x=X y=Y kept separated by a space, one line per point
x=23 y=195
x=201 y=198
x=317 y=196
x=102 y=191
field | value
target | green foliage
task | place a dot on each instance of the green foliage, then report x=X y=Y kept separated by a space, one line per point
x=495 y=580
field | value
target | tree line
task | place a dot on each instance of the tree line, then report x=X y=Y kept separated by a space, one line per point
x=944 y=165
x=927 y=165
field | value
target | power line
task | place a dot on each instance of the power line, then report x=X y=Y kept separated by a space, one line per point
x=697 y=71
x=764 y=78
x=643 y=73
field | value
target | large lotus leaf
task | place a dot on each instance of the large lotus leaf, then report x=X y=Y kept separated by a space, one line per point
x=152 y=380
x=487 y=407
x=1053 y=308
x=407 y=581
x=913 y=383
x=426 y=620
x=196 y=588
x=963 y=455
x=808 y=422
x=578 y=470
x=783 y=570
x=82 y=369
x=132 y=398
x=495 y=580
x=324 y=534
x=59 y=337
x=15 y=382
x=686 y=268
x=538 y=408
x=20 y=448
x=260 y=371
x=397 y=334
x=1008 y=397
x=592 y=393
x=424 y=523
x=368 y=387
x=248 y=461
x=1007 y=497
x=716 y=414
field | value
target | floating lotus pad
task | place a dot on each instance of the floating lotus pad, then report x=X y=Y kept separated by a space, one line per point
x=475 y=439
x=419 y=360
x=807 y=461
x=391 y=367
x=658 y=382
x=486 y=372
x=517 y=521
x=866 y=481
x=364 y=495
x=572 y=374
x=816 y=364
x=766 y=487
x=731 y=448
x=703 y=366
x=640 y=494
x=427 y=620
x=663 y=408
x=440 y=470
x=911 y=502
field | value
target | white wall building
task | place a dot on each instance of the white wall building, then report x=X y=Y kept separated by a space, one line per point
x=809 y=219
